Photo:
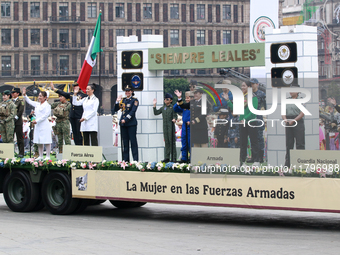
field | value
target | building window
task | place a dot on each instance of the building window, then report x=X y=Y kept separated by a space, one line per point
x=322 y=68
x=35 y=10
x=200 y=37
x=174 y=37
x=64 y=38
x=174 y=11
x=63 y=11
x=337 y=68
x=5 y=36
x=174 y=72
x=201 y=11
x=147 y=11
x=120 y=10
x=6 y=65
x=92 y=10
x=120 y=32
x=226 y=36
x=226 y=11
x=5 y=9
x=35 y=65
x=147 y=32
x=89 y=36
x=64 y=65
x=35 y=36
x=322 y=44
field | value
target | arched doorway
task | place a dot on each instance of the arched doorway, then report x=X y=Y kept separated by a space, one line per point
x=6 y=87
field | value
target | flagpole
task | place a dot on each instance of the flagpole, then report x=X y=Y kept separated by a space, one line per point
x=100 y=54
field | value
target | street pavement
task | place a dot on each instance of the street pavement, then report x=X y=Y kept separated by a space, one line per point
x=169 y=229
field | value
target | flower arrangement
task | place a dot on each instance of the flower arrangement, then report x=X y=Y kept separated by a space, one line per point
x=218 y=168
x=33 y=164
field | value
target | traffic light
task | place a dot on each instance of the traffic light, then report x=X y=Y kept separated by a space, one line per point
x=135 y=80
x=284 y=76
x=132 y=59
x=283 y=52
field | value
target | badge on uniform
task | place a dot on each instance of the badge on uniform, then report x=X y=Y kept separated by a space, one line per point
x=128 y=105
x=136 y=103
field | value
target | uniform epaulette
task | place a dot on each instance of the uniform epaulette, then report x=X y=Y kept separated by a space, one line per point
x=134 y=98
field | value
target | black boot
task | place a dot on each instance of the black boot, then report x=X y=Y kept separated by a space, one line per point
x=261 y=153
x=251 y=160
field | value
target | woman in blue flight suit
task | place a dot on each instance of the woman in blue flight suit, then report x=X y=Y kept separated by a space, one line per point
x=128 y=123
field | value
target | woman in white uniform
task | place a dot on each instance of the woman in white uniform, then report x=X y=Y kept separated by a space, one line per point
x=42 y=129
x=89 y=119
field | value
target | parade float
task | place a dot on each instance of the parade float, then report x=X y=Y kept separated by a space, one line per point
x=214 y=176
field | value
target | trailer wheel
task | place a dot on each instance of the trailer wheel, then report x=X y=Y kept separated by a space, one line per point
x=20 y=194
x=126 y=204
x=40 y=205
x=82 y=205
x=57 y=194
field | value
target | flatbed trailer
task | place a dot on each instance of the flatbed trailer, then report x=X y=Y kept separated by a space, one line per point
x=65 y=191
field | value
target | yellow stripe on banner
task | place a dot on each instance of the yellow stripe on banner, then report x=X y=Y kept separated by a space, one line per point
x=208 y=92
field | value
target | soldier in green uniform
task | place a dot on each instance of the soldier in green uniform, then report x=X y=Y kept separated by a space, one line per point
x=61 y=110
x=295 y=127
x=169 y=118
x=8 y=112
x=18 y=120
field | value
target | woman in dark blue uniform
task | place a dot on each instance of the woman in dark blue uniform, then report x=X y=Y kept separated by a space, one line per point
x=128 y=123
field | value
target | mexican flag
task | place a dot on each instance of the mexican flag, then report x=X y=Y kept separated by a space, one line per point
x=90 y=59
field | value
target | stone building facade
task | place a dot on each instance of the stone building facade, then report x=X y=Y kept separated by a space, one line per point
x=48 y=40
x=325 y=15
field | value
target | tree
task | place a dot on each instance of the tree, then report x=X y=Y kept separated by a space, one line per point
x=170 y=85
x=334 y=91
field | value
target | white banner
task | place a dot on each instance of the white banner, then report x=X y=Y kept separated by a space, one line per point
x=263 y=13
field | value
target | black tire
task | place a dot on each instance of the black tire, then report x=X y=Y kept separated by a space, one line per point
x=20 y=194
x=126 y=204
x=57 y=194
x=40 y=205
x=83 y=204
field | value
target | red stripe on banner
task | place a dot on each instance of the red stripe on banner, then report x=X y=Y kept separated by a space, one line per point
x=217 y=204
x=213 y=90
x=84 y=76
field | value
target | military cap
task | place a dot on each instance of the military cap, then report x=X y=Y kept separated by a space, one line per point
x=16 y=90
x=7 y=92
x=168 y=95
